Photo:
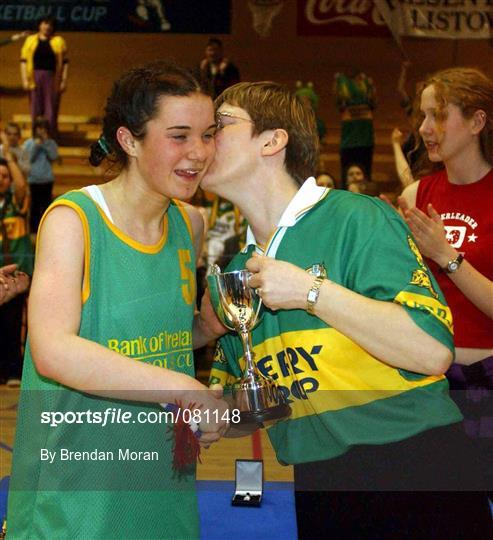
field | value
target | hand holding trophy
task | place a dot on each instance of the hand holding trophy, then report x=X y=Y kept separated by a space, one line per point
x=237 y=305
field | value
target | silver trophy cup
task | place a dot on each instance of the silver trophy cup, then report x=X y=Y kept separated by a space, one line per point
x=237 y=306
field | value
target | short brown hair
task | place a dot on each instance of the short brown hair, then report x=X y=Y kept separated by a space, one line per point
x=273 y=106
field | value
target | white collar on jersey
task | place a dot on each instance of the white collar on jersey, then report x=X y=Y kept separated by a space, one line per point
x=307 y=196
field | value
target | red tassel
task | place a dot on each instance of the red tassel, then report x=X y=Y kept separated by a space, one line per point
x=186 y=447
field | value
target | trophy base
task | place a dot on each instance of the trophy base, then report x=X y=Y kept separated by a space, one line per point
x=270 y=415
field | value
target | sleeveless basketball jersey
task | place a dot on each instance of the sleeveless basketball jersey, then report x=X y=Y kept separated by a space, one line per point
x=112 y=480
x=466 y=214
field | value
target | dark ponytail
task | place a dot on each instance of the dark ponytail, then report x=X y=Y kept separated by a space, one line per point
x=99 y=151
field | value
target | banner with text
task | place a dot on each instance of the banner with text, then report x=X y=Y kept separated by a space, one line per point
x=457 y=19
x=451 y=19
x=170 y=16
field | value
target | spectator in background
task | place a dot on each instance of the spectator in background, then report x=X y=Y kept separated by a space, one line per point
x=355 y=177
x=13 y=133
x=325 y=179
x=402 y=166
x=449 y=213
x=42 y=152
x=12 y=283
x=16 y=260
x=307 y=93
x=225 y=225
x=44 y=71
x=216 y=72
x=357 y=182
x=355 y=98
x=225 y=232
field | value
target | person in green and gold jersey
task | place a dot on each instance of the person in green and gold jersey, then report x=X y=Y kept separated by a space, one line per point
x=355 y=331
x=112 y=328
x=16 y=262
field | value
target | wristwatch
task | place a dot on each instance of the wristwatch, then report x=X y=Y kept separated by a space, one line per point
x=313 y=294
x=453 y=265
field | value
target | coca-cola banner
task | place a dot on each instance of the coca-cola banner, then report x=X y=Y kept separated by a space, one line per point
x=469 y=19
x=340 y=18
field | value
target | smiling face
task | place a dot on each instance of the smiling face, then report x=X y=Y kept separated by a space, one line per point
x=236 y=150
x=445 y=138
x=178 y=146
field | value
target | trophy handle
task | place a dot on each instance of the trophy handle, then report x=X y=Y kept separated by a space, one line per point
x=259 y=306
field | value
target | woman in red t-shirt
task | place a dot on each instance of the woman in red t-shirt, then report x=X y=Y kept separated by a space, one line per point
x=449 y=213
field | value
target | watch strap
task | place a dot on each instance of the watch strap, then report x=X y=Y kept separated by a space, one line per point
x=313 y=294
x=454 y=264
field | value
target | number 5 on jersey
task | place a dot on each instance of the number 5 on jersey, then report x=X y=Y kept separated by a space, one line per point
x=187 y=276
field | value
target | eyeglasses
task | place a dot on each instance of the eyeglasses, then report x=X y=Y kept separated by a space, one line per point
x=224 y=118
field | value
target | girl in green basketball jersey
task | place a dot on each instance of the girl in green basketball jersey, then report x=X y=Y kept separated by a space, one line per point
x=111 y=320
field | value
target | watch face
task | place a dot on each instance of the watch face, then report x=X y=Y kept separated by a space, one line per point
x=452 y=266
x=312 y=296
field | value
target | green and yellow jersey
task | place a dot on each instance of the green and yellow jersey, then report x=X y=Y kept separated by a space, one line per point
x=340 y=394
x=111 y=479
x=15 y=244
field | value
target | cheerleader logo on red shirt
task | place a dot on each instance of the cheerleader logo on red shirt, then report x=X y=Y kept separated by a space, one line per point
x=455 y=235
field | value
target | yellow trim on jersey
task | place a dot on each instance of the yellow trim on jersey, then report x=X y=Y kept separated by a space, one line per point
x=302 y=211
x=186 y=217
x=338 y=387
x=433 y=306
x=144 y=248
x=265 y=247
x=86 y=283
